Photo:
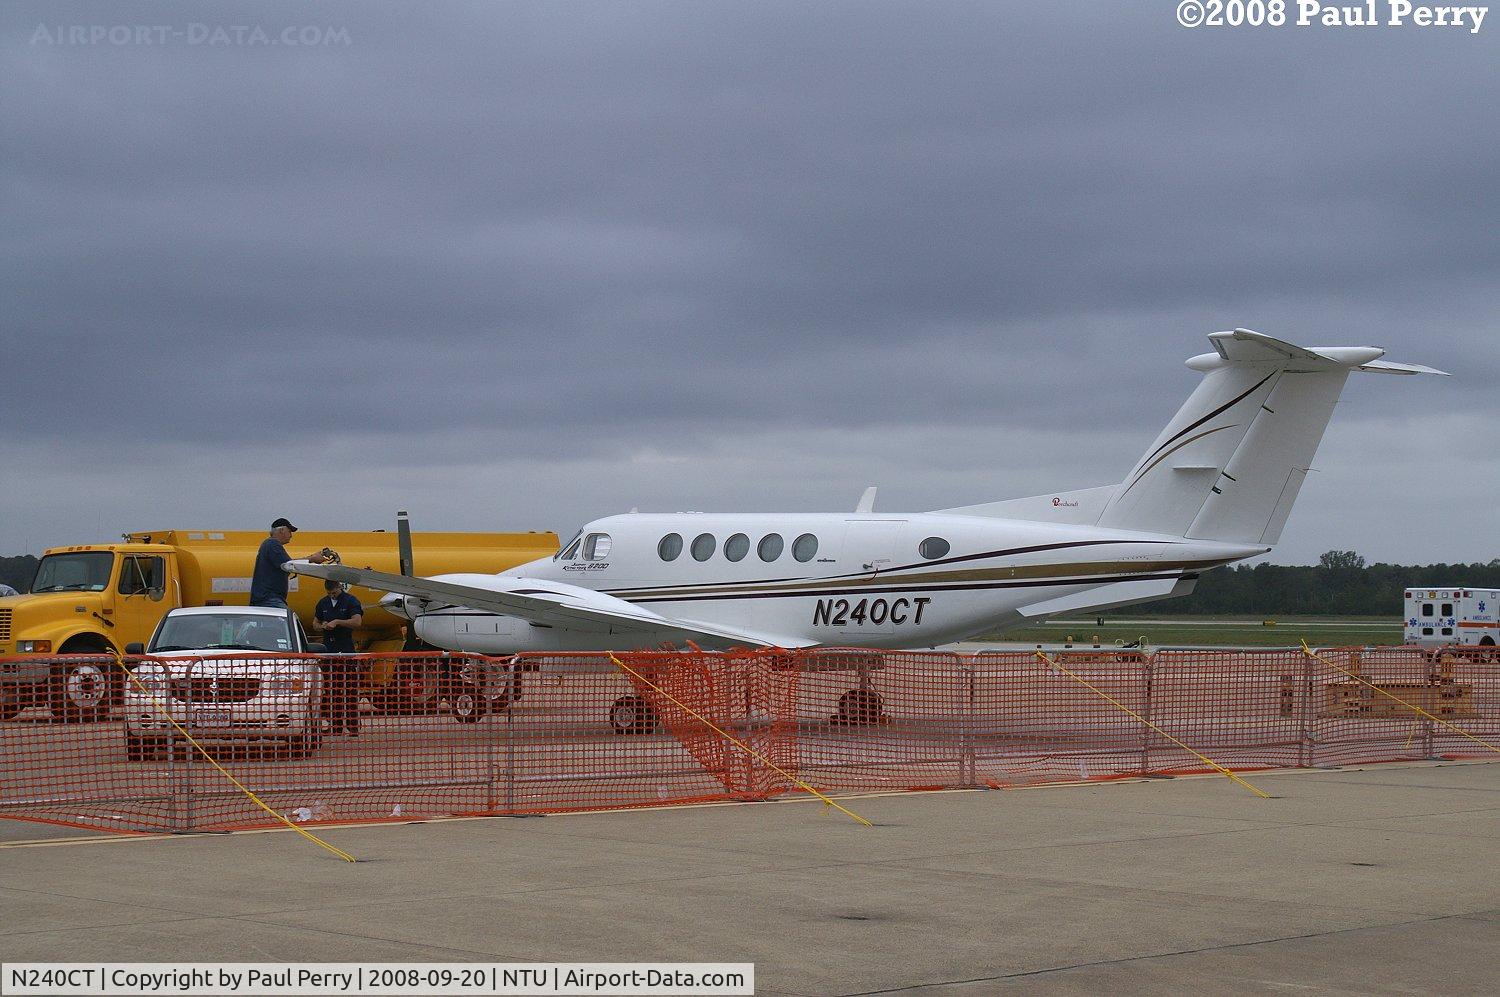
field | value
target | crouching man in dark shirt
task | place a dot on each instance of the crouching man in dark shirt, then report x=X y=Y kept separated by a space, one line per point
x=338 y=614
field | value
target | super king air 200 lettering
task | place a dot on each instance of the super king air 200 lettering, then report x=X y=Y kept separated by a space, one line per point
x=1215 y=487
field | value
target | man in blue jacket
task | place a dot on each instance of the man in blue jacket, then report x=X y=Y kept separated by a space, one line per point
x=338 y=614
x=268 y=586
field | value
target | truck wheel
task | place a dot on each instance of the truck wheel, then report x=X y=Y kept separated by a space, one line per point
x=417 y=687
x=83 y=691
x=632 y=715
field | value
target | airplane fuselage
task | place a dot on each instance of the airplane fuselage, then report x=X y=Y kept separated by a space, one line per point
x=865 y=579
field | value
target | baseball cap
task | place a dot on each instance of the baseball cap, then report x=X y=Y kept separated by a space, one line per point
x=284 y=522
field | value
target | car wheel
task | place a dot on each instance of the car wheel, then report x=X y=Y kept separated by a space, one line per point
x=860 y=708
x=632 y=715
x=82 y=692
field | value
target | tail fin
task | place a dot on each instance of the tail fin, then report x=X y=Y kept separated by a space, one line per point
x=1230 y=463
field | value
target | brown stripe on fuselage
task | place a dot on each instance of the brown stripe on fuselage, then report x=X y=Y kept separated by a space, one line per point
x=993 y=574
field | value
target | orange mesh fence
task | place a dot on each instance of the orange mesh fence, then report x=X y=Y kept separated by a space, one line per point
x=192 y=743
x=1035 y=723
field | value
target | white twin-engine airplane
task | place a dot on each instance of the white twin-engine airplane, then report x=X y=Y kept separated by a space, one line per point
x=1215 y=487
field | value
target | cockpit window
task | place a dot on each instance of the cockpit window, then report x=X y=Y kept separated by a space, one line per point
x=596 y=547
x=569 y=550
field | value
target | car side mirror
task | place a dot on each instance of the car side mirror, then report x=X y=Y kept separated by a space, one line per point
x=318 y=648
x=135 y=647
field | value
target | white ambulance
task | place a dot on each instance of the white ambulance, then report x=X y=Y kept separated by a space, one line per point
x=1443 y=616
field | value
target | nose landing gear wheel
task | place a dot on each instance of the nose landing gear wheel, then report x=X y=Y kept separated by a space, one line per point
x=632 y=715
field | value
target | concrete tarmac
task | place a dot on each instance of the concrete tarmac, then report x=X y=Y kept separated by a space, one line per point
x=1375 y=880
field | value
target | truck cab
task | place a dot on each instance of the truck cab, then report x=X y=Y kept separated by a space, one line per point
x=89 y=600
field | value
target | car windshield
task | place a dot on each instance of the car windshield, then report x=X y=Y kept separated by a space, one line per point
x=86 y=571
x=223 y=632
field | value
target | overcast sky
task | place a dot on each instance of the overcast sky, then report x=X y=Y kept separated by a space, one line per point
x=515 y=266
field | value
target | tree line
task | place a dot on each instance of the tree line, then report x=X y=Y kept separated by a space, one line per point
x=1340 y=584
x=17 y=572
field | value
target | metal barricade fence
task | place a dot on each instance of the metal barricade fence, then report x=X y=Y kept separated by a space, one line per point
x=201 y=742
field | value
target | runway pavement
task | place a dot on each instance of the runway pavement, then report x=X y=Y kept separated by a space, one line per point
x=1375 y=880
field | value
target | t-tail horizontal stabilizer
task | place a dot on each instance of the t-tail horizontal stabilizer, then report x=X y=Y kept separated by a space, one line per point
x=1230 y=463
x=1232 y=460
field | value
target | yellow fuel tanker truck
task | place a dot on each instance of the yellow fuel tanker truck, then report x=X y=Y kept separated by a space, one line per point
x=98 y=598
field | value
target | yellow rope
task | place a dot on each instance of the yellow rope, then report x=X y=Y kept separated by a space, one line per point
x=1177 y=741
x=162 y=707
x=736 y=741
x=1389 y=695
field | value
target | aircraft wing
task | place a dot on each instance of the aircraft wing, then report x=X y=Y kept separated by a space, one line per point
x=548 y=603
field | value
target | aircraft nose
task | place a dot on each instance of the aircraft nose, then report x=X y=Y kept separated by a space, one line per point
x=395 y=604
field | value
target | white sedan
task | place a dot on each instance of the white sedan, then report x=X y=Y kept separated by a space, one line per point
x=226 y=674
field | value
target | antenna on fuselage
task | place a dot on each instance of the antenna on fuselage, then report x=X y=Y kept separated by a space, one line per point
x=403 y=543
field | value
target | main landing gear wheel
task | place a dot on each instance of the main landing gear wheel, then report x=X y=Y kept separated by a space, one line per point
x=632 y=715
x=468 y=705
x=860 y=708
x=478 y=688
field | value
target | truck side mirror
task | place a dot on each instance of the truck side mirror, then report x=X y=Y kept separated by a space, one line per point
x=156 y=594
x=135 y=647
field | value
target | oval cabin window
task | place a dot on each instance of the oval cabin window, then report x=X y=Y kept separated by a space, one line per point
x=933 y=548
x=805 y=548
x=771 y=546
x=670 y=547
x=736 y=547
x=703 y=546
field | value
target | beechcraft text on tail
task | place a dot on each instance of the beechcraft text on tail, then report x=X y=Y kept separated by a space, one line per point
x=1214 y=487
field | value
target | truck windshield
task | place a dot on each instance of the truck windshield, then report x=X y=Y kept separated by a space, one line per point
x=223 y=632
x=87 y=571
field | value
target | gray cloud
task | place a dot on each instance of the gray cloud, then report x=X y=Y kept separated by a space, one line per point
x=524 y=264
